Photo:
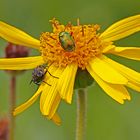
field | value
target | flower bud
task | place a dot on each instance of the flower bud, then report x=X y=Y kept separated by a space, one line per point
x=4 y=128
x=83 y=79
x=15 y=51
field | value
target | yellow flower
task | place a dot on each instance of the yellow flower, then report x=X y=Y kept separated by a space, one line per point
x=82 y=48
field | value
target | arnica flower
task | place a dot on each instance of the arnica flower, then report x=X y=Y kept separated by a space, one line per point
x=69 y=48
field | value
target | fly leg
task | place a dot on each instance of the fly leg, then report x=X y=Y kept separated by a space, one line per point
x=46 y=83
x=53 y=75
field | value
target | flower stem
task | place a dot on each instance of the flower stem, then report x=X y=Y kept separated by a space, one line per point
x=12 y=101
x=81 y=115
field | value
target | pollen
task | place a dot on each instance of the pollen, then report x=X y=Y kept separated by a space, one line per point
x=86 y=40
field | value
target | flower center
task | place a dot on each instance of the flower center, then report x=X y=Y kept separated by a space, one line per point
x=71 y=44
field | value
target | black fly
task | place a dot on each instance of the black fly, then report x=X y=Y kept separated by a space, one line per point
x=39 y=73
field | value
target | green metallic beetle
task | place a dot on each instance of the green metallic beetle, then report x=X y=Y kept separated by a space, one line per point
x=67 y=41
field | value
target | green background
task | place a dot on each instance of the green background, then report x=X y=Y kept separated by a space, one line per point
x=106 y=119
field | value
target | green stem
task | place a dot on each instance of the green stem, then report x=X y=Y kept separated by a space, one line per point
x=12 y=106
x=81 y=115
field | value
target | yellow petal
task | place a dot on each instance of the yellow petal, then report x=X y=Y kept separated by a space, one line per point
x=20 y=63
x=66 y=82
x=54 y=105
x=47 y=97
x=16 y=36
x=128 y=52
x=122 y=28
x=51 y=94
x=134 y=86
x=27 y=104
x=106 y=72
x=50 y=97
x=117 y=92
x=56 y=119
x=55 y=71
x=130 y=74
x=107 y=49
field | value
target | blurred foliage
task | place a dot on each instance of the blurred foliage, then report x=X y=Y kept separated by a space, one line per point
x=106 y=119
